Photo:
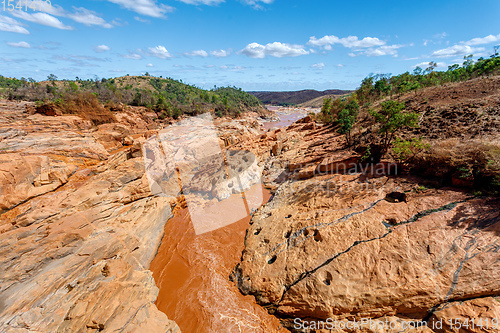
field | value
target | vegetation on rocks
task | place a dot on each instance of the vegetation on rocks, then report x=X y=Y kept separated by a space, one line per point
x=397 y=121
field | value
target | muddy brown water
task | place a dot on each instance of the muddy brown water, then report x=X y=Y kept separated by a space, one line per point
x=192 y=273
x=286 y=119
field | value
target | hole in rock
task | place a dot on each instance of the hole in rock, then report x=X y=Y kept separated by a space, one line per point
x=328 y=279
x=257 y=231
x=288 y=234
x=272 y=260
x=317 y=236
x=395 y=197
x=306 y=232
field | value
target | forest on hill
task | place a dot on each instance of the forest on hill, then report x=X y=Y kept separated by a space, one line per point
x=166 y=96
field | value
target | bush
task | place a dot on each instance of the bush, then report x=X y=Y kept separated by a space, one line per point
x=391 y=119
x=405 y=150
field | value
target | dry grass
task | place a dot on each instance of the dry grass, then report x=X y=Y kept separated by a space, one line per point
x=83 y=104
x=475 y=160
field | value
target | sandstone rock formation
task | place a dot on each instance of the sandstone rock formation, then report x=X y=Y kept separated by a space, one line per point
x=78 y=226
x=350 y=243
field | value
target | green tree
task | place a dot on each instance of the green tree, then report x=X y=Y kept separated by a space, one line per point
x=392 y=119
x=52 y=78
x=347 y=119
x=73 y=86
x=382 y=86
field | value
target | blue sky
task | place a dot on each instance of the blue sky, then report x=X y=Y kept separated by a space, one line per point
x=252 y=44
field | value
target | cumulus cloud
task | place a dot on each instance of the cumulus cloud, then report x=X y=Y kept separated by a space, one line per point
x=219 y=53
x=10 y=25
x=352 y=42
x=149 y=65
x=466 y=47
x=41 y=18
x=198 y=53
x=145 y=7
x=80 y=14
x=20 y=44
x=484 y=40
x=456 y=50
x=88 y=17
x=319 y=66
x=160 y=52
x=102 y=48
x=276 y=49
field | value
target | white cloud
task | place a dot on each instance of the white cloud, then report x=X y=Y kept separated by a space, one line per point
x=41 y=18
x=140 y=19
x=88 y=17
x=102 y=48
x=145 y=7
x=20 y=44
x=483 y=40
x=467 y=47
x=219 y=53
x=352 y=42
x=160 y=52
x=198 y=53
x=440 y=36
x=382 y=51
x=53 y=9
x=319 y=66
x=149 y=65
x=456 y=50
x=276 y=49
x=202 y=2
x=425 y=65
x=256 y=3
x=10 y=25
x=378 y=51
x=133 y=55
x=80 y=14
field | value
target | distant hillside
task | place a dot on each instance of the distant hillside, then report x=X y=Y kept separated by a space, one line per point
x=318 y=101
x=293 y=97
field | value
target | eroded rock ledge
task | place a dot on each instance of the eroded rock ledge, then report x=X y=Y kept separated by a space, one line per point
x=348 y=245
x=79 y=226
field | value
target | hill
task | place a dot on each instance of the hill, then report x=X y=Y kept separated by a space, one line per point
x=318 y=101
x=168 y=97
x=293 y=97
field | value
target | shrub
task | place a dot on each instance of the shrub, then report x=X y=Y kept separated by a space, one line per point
x=391 y=119
x=405 y=150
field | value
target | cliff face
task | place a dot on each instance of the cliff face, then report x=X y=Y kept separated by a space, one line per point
x=79 y=225
x=337 y=241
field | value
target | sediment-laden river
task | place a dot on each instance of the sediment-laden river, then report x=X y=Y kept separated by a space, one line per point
x=192 y=272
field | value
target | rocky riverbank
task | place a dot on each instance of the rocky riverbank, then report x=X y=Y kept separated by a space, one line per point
x=80 y=229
